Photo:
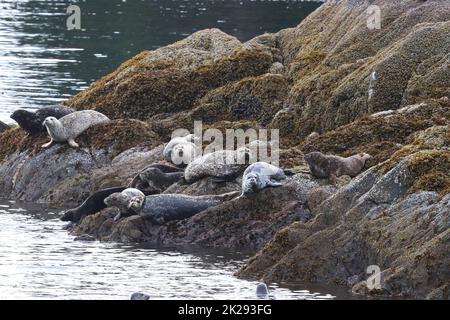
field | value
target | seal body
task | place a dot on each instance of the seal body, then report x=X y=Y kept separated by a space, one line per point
x=156 y=178
x=162 y=208
x=259 y=175
x=167 y=152
x=71 y=126
x=91 y=205
x=31 y=122
x=121 y=200
x=224 y=165
x=183 y=153
x=330 y=166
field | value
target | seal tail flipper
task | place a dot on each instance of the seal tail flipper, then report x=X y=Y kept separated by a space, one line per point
x=274 y=184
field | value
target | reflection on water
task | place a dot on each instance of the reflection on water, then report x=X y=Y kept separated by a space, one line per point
x=42 y=63
x=39 y=260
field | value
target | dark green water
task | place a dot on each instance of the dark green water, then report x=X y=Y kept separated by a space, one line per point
x=43 y=63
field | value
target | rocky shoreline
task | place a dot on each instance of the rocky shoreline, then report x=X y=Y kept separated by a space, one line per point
x=312 y=82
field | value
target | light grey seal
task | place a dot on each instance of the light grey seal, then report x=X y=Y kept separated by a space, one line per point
x=121 y=200
x=71 y=126
x=167 y=152
x=224 y=165
x=258 y=176
x=330 y=166
x=162 y=208
x=183 y=153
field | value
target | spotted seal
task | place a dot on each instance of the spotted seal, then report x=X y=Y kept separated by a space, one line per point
x=259 y=175
x=31 y=122
x=71 y=126
x=121 y=200
x=167 y=152
x=162 y=208
x=224 y=165
x=91 y=205
x=330 y=166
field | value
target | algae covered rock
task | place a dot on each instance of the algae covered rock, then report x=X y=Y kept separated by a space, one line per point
x=394 y=216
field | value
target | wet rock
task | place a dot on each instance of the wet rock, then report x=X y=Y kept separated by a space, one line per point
x=140 y=296
x=84 y=237
x=246 y=222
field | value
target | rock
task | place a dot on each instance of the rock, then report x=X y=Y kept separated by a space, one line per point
x=84 y=237
x=64 y=176
x=140 y=296
x=246 y=222
x=3 y=126
x=394 y=215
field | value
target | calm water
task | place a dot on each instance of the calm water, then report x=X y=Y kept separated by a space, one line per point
x=43 y=63
x=39 y=260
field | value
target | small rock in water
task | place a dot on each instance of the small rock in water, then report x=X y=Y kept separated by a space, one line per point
x=262 y=291
x=68 y=226
x=140 y=296
x=84 y=237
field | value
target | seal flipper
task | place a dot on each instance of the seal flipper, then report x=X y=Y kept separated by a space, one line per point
x=48 y=144
x=274 y=184
x=72 y=143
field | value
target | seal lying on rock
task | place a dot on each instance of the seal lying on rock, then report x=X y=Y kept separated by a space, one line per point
x=183 y=154
x=258 y=176
x=122 y=200
x=71 y=126
x=330 y=166
x=167 y=152
x=162 y=208
x=156 y=178
x=91 y=205
x=224 y=165
x=31 y=122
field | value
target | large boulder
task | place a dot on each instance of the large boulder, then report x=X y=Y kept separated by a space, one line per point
x=394 y=216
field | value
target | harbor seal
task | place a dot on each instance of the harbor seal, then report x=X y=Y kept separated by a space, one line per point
x=156 y=178
x=330 y=166
x=121 y=200
x=71 y=126
x=91 y=205
x=162 y=208
x=224 y=165
x=183 y=153
x=167 y=152
x=31 y=122
x=258 y=176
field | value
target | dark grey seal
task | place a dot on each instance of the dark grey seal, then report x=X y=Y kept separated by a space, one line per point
x=162 y=208
x=91 y=205
x=156 y=178
x=32 y=122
